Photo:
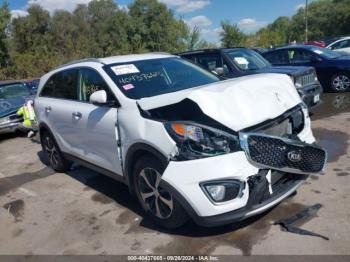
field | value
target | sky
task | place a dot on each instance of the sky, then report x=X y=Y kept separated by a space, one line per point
x=249 y=15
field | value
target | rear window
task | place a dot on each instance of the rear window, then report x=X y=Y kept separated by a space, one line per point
x=146 y=78
x=62 y=85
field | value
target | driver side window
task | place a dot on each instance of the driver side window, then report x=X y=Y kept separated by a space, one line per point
x=89 y=82
x=299 y=56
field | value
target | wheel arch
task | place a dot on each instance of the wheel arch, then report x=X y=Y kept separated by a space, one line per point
x=134 y=153
x=45 y=128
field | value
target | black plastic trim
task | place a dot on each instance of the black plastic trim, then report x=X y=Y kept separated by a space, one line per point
x=115 y=176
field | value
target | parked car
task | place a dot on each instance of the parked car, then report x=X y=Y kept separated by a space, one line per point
x=341 y=45
x=236 y=62
x=316 y=43
x=13 y=95
x=32 y=85
x=259 y=50
x=332 y=68
x=185 y=143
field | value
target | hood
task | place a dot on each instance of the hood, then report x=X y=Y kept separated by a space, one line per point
x=236 y=103
x=345 y=58
x=288 y=70
x=10 y=106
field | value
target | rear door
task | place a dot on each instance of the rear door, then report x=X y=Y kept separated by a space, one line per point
x=55 y=104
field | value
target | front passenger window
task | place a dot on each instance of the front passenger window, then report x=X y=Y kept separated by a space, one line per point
x=90 y=82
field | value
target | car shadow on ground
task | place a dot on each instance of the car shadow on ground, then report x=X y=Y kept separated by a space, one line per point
x=8 y=136
x=119 y=193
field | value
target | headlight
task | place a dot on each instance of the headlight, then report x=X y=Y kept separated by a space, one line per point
x=197 y=141
x=298 y=83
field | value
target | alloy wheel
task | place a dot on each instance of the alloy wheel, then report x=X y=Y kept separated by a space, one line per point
x=51 y=151
x=157 y=200
x=341 y=83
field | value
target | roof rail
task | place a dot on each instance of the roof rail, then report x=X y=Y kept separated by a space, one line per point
x=79 y=61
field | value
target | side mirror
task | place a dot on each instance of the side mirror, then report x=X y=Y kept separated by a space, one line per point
x=218 y=71
x=98 y=97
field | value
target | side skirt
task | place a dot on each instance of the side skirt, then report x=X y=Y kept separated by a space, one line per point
x=101 y=170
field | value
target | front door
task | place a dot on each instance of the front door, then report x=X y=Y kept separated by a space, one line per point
x=98 y=139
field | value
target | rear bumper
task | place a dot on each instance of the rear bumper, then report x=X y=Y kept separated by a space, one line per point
x=310 y=93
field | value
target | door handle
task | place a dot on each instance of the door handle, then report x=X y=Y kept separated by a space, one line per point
x=77 y=115
x=47 y=109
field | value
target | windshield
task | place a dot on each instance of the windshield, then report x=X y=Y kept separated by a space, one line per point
x=246 y=59
x=146 y=78
x=325 y=52
x=13 y=90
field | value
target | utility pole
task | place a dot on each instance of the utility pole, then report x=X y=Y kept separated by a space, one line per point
x=306 y=22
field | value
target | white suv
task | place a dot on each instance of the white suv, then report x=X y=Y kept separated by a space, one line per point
x=187 y=144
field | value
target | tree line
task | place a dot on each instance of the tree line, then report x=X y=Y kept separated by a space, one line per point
x=326 y=19
x=32 y=45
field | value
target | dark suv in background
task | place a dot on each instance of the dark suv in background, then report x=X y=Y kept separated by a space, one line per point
x=236 y=62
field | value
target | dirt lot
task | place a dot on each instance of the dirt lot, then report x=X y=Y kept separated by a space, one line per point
x=82 y=212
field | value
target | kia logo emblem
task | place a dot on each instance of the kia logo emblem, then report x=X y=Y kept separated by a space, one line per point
x=294 y=156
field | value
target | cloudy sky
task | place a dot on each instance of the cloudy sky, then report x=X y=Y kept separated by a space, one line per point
x=250 y=15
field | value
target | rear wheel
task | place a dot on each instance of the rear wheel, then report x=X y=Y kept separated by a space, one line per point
x=53 y=153
x=157 y=202
x=340 y=82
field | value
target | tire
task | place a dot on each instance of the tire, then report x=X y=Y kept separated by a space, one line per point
x=53 y=153
x=157 y=203
x=340 y=82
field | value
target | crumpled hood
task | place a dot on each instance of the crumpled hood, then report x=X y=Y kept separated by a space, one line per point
x=10 y=106
x=236 y=103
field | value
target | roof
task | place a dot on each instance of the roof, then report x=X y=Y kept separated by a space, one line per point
x=293 y=46
x=10 y=82
x=119 y=59
x=131 y=58
x=210 y=50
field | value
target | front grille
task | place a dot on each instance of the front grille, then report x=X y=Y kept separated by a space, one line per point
x=282 y=154
x=307 y=79
x=290 y=123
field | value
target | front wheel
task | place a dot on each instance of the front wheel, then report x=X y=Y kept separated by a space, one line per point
x=340 y=82
x=159 y=204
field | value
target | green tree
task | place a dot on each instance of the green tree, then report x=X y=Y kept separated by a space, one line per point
x=193 y=38
x=154 y=28
x=109 y=27
x=5 y=17
x=231 y=35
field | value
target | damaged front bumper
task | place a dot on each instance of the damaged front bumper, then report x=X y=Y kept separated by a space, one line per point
x=268 y=175
x=259 y=200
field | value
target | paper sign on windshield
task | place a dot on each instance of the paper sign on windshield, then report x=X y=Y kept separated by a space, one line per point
x=241 y=60
x=125 y=69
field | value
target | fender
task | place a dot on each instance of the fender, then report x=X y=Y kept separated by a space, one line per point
x=135 y=152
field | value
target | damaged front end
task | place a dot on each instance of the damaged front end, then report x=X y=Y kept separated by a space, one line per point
x=235 y=160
